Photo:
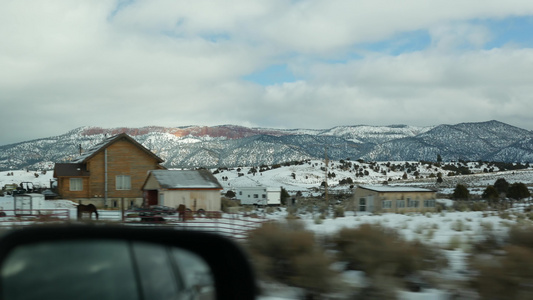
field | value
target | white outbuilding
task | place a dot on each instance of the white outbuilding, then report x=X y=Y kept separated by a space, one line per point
x=258 y=195
x=198 y=190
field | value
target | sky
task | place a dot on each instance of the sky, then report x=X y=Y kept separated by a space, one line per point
x=272 y=63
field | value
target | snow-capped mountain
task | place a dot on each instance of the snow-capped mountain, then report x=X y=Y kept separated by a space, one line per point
x=230 y=146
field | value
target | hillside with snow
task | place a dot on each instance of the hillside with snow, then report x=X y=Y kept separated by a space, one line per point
x=236 y=146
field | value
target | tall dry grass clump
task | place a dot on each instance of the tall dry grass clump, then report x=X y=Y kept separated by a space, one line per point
x=288 y=254
x=377 y=250
x=505 y=270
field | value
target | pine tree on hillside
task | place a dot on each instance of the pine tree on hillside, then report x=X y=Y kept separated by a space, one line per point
x=461 y=192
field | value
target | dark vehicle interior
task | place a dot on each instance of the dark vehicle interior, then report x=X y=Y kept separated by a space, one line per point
x=103 y=262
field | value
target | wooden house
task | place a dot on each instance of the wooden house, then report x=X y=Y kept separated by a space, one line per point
x=198 y=190
x=109 y=174
x=392 y=199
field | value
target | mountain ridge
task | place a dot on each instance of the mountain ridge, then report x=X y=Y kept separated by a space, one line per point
x=233 y=145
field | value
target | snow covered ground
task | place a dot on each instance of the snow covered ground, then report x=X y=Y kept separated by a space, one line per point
x=452 y=231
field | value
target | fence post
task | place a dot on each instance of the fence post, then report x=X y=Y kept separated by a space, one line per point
x=122 y=209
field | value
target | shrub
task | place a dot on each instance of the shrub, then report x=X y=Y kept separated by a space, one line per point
x=505 y=215
x=455 y=242
x=479 y=206
x=378 y=250
x=339 y=211
x=292 y=210
x=270 y=210
x=458 y=225
x=288 y=254
x=460 y=206
x=227 y=203
x=521 y=236
x=381 y=287
x=507 y=277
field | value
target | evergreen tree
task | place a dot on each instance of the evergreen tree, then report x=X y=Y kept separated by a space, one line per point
x=518 y=191
x=439 y=177
x=461 y=192
x=501 y=185
x=491 y=194
x=284 y=196
x=230 y=194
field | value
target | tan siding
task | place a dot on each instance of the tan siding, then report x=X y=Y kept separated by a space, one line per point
x=379 y=197
x=208 y=200
x=151 y=183
x=63 y=184
x=123 y=158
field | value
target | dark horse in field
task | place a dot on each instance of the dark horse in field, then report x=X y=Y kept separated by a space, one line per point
x=89 y=208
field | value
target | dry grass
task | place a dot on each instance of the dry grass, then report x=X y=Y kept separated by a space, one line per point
x=378 y=250
x=289 y=254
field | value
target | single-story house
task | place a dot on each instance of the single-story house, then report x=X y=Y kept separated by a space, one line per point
x=258 y=195
x=108 y=174
x=198 y=190
x=392 y=199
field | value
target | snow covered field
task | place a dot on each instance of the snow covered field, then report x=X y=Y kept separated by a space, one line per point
x=451 y=231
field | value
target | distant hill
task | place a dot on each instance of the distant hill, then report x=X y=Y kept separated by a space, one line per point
x=231 y=146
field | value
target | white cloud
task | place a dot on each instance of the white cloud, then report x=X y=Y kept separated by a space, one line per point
x=172 y=63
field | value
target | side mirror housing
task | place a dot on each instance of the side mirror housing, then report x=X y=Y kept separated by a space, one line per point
x=104 y=262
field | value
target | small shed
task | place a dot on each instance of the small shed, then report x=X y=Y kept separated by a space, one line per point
x=198 y=190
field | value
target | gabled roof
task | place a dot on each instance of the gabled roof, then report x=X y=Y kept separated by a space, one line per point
x=88 y=154
x=70 y=170
x=395 y=189
x=186 y=179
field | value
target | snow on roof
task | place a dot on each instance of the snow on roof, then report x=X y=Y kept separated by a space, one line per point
x=392 y=189
x=183 y=179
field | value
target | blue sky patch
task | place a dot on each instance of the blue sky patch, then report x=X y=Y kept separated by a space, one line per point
x=273 y=74
x=517 y=31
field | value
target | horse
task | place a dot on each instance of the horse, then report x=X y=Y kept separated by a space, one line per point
x=89 y=208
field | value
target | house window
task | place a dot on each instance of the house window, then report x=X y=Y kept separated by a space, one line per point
x=123 y=182
x=264 y=196
x=400 y=203
x=256 y=196
x=362 y=204
x=387 y=204
x=240 y=193
x=76 y=184
x=412 y=203
x=429 y=203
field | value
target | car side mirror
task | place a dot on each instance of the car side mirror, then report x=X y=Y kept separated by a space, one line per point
x=103 y=262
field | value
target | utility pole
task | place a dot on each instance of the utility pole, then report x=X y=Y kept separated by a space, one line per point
x=326 y=180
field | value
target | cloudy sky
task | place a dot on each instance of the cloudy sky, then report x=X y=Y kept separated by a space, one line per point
x=271 y=63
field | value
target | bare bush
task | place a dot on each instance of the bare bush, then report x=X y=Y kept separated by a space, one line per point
x=378 y=250
x=289 y=254
x=505 y=271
